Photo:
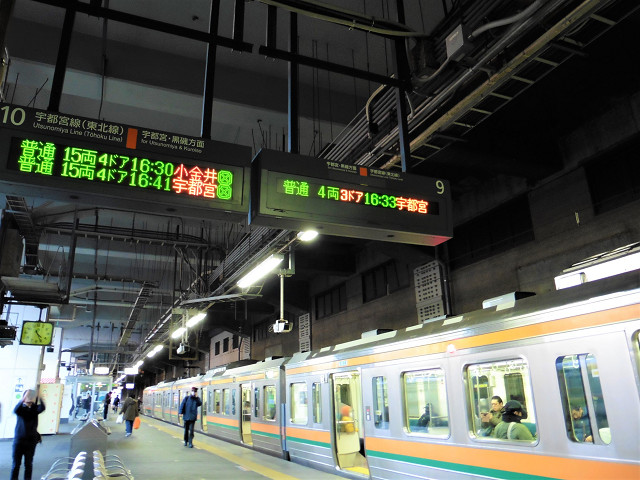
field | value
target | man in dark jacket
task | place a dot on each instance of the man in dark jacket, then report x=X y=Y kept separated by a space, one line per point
x=189 y=412
x=26 y=436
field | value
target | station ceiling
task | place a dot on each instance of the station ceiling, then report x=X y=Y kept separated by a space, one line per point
x=532 y=73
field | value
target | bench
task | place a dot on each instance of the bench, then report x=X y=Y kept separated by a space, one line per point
x=67 y=468
x=109 y=467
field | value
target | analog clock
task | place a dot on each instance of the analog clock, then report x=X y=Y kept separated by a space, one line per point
x=36 y=333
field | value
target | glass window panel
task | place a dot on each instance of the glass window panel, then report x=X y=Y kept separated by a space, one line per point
x=579 y=420
x=425 y=401
x=216 y=401
x=593 y=374
x=299 y=403
x=380 y=403
x=269 y=407
x=256 y=401
x=491 y=386
x=316 y=392
x=226 y=401
x=233 y=402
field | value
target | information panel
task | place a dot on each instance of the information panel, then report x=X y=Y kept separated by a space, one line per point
x=296 y=192
x=108 y=164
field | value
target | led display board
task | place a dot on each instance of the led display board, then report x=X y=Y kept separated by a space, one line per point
x=296 y=192
x=108 y=164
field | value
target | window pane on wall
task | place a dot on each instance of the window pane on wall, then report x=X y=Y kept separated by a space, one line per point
x=425 y=400
x=299 y=403
x=380 y=403
x=316 y=392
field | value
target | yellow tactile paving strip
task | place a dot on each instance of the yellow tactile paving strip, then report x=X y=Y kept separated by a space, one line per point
x=242 y=462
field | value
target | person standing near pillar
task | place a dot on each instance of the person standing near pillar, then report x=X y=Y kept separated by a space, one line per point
x=189 y=412
x=26 y=435
x=107 y=402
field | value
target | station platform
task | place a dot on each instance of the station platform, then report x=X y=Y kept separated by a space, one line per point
x=156 y=452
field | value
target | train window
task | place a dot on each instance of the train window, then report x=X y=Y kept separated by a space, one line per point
x=316 y=393
x=425 y=401
x=209 y=394
x=582 y=399
x=299 y=404
x=269 y=407
x=216 y=401
x=380 y=402
x=233 y=401
x=256 y=401
x=226 y=401
x=491 y=388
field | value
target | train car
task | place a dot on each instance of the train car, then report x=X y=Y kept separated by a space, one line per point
x=414 y=403
x=244 y=405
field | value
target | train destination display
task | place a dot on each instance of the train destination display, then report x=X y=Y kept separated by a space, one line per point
x=114 y=164
x=299 y=193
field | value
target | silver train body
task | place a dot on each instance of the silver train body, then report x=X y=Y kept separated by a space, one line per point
x=407 y=404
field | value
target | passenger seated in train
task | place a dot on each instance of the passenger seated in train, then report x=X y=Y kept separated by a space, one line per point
x=425 y=418
x=346 y=419
x=510 y=427
x=581 y=424
x=490 y=418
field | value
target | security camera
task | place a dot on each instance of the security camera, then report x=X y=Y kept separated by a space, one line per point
x=282 y=326
x=181 y=349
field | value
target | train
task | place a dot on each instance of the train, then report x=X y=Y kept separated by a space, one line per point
x=409 y=403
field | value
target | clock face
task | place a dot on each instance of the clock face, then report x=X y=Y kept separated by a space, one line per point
x=36 y=333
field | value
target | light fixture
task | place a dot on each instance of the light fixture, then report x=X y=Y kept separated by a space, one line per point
x=261 y=270
x=151 y=353
x=307 y=235
x=195 y=319
x=178 y=333
x=139 y=363
x=607 y=264
x=157 y=348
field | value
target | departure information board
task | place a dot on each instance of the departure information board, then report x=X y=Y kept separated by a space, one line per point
x=109 y=164
x=299 y=193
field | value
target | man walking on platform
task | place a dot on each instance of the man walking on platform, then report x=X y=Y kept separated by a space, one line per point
x=189 y=412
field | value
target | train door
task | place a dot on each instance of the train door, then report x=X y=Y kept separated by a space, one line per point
x=348 y=425
x=206 y=399
x=245 y=424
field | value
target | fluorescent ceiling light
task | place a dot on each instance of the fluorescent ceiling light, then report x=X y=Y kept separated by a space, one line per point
x=195 y=319
x=138 y=363
x=261 y=270
x=101 y=370
x=157 y=348
x=178 y=333
x=151 y=353
x=598 y=271
x=307 y=235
